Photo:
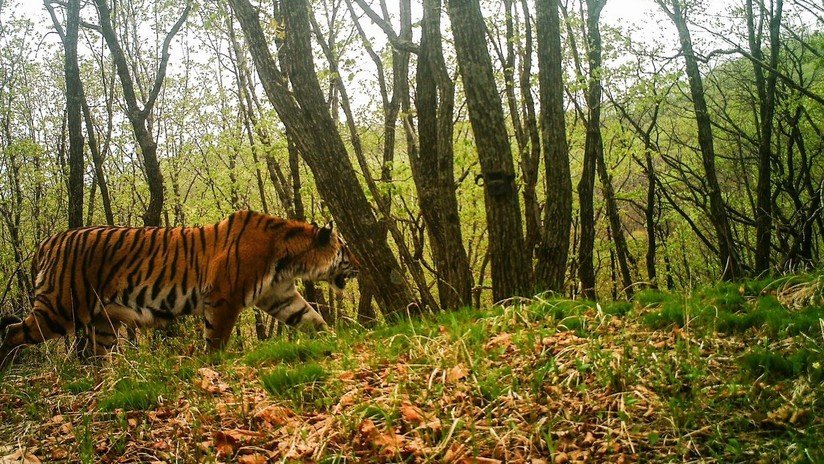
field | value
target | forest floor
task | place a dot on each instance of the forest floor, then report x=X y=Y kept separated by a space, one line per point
x=729 y=373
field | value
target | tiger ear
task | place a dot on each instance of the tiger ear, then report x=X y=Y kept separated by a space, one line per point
x=325 y=233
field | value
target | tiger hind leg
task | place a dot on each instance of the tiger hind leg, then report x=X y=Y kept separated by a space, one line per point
x=37 y=327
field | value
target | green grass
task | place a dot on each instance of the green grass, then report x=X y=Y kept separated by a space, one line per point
x=285 y=351
x=723 y=308
x=775 y=366
x=282 y=380
x=80 y=385
x=132 y=394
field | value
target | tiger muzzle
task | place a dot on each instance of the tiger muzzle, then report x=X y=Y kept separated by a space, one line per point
x=339 y=281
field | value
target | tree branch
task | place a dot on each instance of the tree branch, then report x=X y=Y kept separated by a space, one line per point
x=384 y=24
x=164 y=60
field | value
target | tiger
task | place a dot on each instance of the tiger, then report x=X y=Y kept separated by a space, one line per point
x=99 y=279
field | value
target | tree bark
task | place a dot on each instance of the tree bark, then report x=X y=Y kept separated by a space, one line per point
x=766 y=101
x=616 y=227
x=94 y=146
x=593 y=149
x=554 y=248
x=432 y=164
x=728 y=255
x=530 y=158
x=138 y=117
x=304 y=113
x=74 y=97
x=510 y=267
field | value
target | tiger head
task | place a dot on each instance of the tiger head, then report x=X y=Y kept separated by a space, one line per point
x=344 y=265
x=328 y=259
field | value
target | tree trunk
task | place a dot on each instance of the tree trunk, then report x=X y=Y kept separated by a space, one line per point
x=304 y=113
x=74 y=96
x=432 y=164
x=97 y=160
x=510 y=269
x=729 y=260
x=766 y=101
x=554 y=248
x=616 y=227
x=531 y=158
x=593 y=149
x=138 y=117
x=649 y=215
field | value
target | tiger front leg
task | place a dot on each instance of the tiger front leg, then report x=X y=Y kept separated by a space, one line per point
x=101 y=337
x=218 y=321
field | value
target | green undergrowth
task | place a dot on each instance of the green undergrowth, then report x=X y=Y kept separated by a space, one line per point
x=728 y=308
x=755 y=310
x=726 y=373
x=132 y=394
x=285 y=351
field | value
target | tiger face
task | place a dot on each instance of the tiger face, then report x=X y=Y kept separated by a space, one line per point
x=339 y=263
x=345 y=267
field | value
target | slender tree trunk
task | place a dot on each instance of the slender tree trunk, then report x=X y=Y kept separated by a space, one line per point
x=74 y=96
x=245 y=103
x=649 y=216
x=531 y=158
x=616 y=227
x=554 y=248
x=97 y=160
x=728 y=254
x=391 y=107
x=384 y=208
x=139 y=117
x=310 y=290
x=510 y=267
x=593 y=149
x=766 y=101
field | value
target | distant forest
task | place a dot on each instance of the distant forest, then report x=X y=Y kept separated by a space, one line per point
x=469 y=151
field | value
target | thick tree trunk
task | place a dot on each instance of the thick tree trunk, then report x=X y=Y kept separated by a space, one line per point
x=727 y=251
x=554 y=248
x=306 y=117
x=74 y=97
x=432 y=164
x=510 y=268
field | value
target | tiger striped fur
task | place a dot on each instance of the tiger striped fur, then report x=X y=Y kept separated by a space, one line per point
x=101 y=278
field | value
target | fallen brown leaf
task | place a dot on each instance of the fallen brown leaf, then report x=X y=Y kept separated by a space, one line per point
x=457 y=372
x=20 y=457
x=502 y=340
x=256 y=458
x=210 y=381
x=275 y=415
x=387 y=442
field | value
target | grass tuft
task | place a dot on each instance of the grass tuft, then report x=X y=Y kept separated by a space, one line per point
x=285 y=351
x=281 y=380
x=133 y=395
x=774 y=366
